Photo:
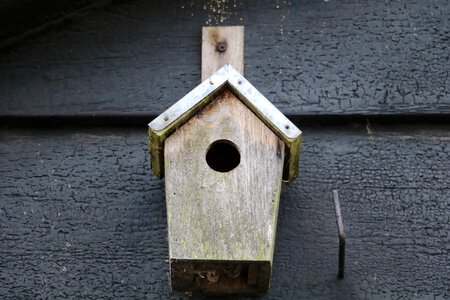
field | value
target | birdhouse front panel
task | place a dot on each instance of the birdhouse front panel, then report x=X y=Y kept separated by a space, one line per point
x=223 y=171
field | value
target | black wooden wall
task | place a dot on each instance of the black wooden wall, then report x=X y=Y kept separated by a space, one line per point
x=368 y=82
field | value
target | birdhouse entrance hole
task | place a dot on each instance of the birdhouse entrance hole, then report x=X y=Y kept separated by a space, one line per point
x=223 y=156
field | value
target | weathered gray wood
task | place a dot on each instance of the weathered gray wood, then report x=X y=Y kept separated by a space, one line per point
x=222 y=45
x=307 y=57
x=82 y=217
x=227 y=218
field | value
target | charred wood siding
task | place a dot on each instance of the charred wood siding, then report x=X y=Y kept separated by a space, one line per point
x=20 y=19
x=308 y=57
x=82 y=216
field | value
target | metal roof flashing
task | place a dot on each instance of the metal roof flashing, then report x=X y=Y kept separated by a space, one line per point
x=188 y=106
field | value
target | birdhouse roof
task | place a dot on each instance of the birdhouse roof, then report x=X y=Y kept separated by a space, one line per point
x=188 y=106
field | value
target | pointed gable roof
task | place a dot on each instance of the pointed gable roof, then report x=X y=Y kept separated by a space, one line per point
x=188 y=106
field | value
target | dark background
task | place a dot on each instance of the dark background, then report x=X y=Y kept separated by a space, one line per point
x=368 y=82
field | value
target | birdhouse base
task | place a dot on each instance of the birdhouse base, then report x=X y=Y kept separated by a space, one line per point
x=220 y=277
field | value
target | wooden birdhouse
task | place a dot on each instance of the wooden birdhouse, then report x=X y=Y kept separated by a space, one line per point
x=224 y=151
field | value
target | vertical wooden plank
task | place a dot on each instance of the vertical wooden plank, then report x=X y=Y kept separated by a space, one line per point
x=221 y=45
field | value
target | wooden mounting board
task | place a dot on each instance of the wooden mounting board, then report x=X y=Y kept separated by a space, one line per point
x=230 y=39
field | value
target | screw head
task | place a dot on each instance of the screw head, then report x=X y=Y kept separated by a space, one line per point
x=221 y=46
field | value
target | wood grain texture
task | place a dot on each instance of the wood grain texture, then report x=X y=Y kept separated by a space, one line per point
x=82 y=217
x=230 y=216
x=222 y=45
x=307 y=57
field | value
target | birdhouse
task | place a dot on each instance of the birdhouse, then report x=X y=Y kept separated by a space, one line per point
x=224 y=151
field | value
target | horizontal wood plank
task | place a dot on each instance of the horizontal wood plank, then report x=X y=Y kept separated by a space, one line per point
x=310 y=58
x=82 y=216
